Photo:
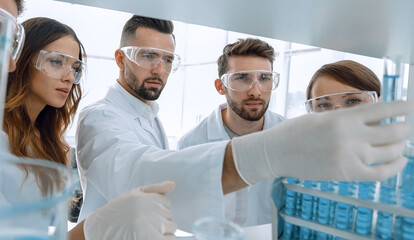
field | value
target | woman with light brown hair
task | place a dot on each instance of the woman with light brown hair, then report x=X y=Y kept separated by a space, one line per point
x=341 y=84
x=43 y=94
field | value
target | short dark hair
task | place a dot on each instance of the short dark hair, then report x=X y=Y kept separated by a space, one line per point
x=20 y=6
x=350 y=73
x=128 y=32
x=245 y=47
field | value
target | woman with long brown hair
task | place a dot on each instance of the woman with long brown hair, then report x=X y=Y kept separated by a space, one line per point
x=43 y=94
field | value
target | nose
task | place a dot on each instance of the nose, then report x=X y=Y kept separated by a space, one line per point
x=159 y=68
x=12 y=64
x=70 y=77
x=336 y=107
x=255 y=90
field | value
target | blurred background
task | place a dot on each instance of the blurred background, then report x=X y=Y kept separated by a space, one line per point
x=190 y=94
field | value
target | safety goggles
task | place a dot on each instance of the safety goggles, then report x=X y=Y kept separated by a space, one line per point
x=148 y=57
x=18 y=34
x=340 y=100
x=244 y=80
x=59 y=65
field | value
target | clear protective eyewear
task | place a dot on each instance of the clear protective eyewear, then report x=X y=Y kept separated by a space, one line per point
x=340 y=100
x=18 y=34
x=149 y=57
x=59 y=65
x=244 y=80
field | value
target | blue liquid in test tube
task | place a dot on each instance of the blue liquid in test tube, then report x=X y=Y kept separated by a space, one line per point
x=388 y=190
x=363 y=224
x=308 y=210
x=390 y=91
x=345 y=212
x=405 y=228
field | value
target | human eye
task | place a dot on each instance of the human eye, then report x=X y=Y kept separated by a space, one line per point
x=148 y=55
x=353 y=101
x=323 y=106
x=240 y=77
x=168 y=59
x=265 y=77
x=56 y=62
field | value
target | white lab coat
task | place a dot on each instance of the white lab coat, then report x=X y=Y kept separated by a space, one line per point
x=121 y=145
x=249 y=206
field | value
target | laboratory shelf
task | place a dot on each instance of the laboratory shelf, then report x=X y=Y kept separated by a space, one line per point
x=352 y=200
x=279 y=216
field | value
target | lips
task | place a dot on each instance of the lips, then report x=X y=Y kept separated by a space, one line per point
x=64 y=90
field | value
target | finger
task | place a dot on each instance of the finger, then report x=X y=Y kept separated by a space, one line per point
x=169 y=237
x=379 y=111
x=161 y=199
x=386 y=170
x=163 y=211
x=168 y=227
x=384 y=153
x=388 y=134
x=161 y=188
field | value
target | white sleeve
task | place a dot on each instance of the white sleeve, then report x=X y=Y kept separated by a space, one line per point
x=113 y=159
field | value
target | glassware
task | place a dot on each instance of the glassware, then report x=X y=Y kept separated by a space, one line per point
x=211 y=228
x=33 y=198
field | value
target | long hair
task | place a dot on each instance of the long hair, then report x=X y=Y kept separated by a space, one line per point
x=350 y=73
x=51 y=122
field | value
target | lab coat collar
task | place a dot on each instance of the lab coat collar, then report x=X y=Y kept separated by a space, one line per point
x=215 y=128
x=217 y=132
x=140 y=108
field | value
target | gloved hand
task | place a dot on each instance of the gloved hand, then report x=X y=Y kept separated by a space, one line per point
x=142 y=213
x=337 y=146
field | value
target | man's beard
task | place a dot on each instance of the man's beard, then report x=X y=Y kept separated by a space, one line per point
x=150 y=93
x=243 y=113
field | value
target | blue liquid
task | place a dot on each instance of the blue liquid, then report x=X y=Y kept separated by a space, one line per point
x=322 y=236
x=405 y=226
x=344 y=212
x=291 y=198
x=325 y=206
x=288 y=231
x=308 y=210
x=291 y=231
x=308 y=202
x=364 y=215
x=384 y=227
x=305 y=234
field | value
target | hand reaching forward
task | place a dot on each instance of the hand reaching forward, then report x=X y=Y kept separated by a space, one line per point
x=338 y=145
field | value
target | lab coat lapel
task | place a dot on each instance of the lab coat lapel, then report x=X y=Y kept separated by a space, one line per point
x=125 y=101
x=215 y=128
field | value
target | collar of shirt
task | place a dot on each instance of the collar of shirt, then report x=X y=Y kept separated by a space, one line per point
x=142 y=109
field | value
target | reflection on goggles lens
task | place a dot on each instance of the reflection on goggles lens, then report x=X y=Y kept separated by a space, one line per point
x=340 y=100
x=18 y=37
x=243 y=80
x=59 y=65
x=150 y=58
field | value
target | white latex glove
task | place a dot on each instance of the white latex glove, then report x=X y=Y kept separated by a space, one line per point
x=337 y=145
x=142 y=213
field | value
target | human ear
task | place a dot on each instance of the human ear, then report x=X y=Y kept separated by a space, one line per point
x=119 y=59
x=219 y=86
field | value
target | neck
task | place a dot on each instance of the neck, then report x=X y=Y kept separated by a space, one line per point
x=239 y=125
x=34 y=109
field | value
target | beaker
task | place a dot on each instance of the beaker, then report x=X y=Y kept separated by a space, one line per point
x=211 y=228
x=33 y=198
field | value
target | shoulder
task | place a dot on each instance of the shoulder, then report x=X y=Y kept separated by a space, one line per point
x=274 y=116
x=197 y=135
